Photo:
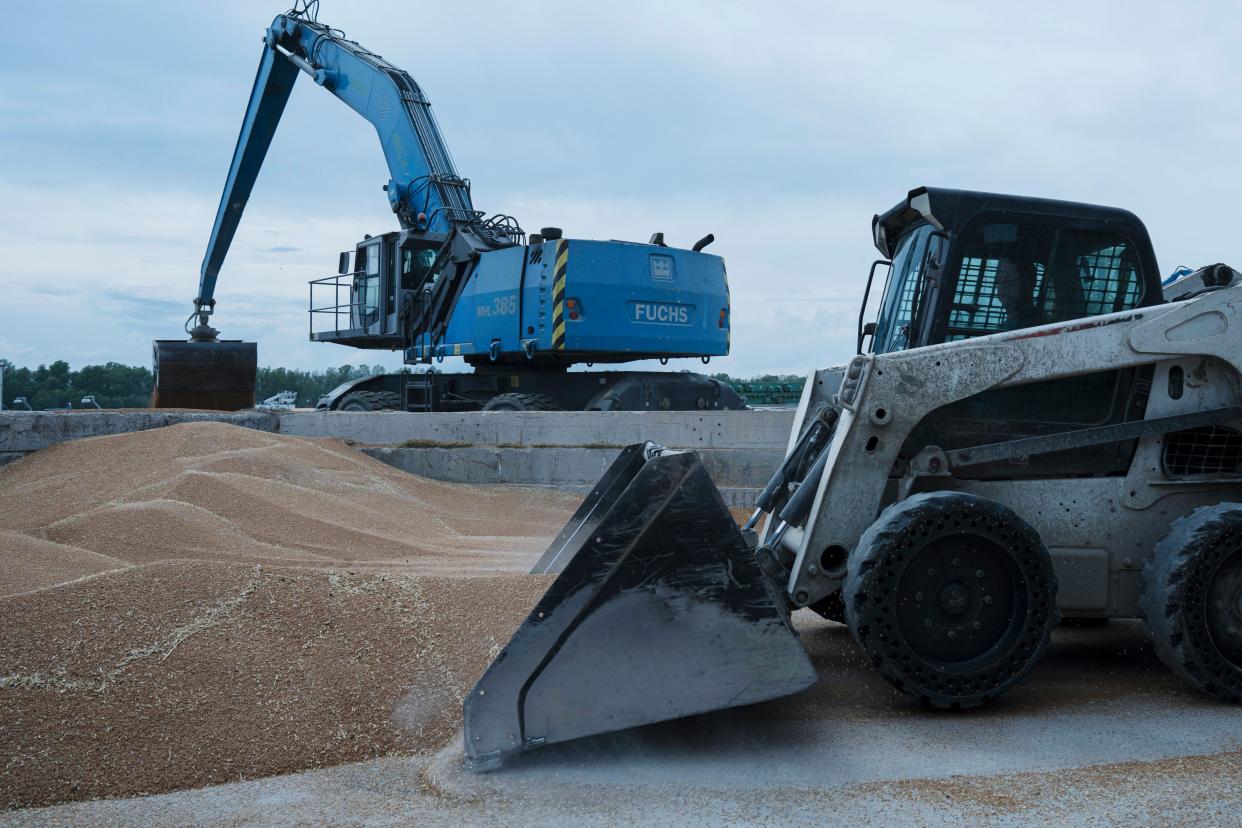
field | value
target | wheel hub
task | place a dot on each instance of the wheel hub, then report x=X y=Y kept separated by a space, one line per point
x=954 y=599
x=962 y=600
x=1224 y=608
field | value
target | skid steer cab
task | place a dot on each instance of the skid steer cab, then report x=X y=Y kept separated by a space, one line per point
x=1029 y=432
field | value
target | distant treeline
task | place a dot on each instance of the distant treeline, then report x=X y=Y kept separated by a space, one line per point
x=796 y=379
x=55 y=386
x=124 y=386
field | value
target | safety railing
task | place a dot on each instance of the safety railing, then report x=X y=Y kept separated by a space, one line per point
x=327 y=311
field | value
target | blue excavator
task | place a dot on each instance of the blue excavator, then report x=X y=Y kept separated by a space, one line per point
x=520 y=309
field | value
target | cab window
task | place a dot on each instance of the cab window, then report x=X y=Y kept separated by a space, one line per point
x=901 y=293
x=370 y=298
x=1014 y=276
x=415 y=266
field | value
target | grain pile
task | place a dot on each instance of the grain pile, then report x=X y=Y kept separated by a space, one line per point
x=204 y=603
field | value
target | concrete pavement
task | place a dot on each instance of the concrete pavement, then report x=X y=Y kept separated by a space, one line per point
x=1101 y=734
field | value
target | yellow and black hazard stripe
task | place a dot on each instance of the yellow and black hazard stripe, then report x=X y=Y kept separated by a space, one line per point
x=558 y=295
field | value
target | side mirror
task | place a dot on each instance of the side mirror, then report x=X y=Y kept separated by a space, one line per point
x=869 y=329
x=342 y=266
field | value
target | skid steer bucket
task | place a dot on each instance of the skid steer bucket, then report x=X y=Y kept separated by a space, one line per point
x=214 y=375
x=658 y=611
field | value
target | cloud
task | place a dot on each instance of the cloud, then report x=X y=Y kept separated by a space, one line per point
x=102 y=292
x=781 y=128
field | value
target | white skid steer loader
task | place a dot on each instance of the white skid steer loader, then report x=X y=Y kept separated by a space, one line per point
x=1038 y=429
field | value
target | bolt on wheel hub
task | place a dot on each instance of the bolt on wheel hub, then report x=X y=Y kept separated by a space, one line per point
x=954 y=599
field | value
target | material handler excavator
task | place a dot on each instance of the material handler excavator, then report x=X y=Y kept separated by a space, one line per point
x=1037 y=429
x=521 y=310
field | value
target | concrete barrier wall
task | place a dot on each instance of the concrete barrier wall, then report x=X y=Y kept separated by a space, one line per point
x=26 y=431
x=722 y=429
x=564 y=449
x=739 y=473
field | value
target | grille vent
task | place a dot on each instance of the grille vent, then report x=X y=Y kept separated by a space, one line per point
x=1204 y=450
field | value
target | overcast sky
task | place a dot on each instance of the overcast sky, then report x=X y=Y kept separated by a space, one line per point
x=780 y=127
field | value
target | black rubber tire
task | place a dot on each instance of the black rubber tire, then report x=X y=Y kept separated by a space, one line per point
x=990 y=548
x=370 y=401
x=522 y=402
x=831 y=607
x=1183 y=616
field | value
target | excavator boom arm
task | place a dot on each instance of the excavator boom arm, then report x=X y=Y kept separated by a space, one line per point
x=424 y=190
x=272 y=84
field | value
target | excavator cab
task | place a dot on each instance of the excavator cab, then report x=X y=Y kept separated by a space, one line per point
x=365 y=304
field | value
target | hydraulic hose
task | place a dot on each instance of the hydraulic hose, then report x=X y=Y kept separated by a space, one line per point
x=820 y=430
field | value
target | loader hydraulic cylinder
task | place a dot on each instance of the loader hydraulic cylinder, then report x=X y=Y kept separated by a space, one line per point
x=799 y=505
x=788 y=470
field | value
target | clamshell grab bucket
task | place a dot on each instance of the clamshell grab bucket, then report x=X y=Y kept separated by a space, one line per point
x=212 y=375
x=658 y=611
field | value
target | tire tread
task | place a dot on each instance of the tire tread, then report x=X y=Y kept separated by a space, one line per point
x=875 y=549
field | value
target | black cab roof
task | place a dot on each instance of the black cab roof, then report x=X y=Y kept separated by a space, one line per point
x=947 y=210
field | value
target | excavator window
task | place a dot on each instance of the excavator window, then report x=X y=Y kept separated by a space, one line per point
x=367 y=286
x=416 y=264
